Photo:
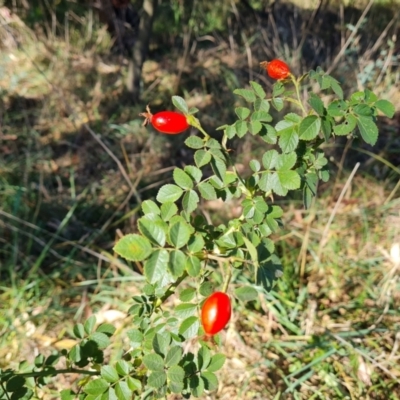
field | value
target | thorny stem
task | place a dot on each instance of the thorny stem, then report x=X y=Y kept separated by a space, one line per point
x=54 y=372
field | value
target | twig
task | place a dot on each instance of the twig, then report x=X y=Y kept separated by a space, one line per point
x=369 y=358
x=351 y=37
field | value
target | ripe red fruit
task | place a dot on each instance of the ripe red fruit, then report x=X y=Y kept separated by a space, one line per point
x=216 y=313
x=276 y=69
x=169 y=122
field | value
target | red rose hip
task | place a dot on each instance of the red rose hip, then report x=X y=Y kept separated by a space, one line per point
x=216 y=313
x=276 y=69
x=169 y=122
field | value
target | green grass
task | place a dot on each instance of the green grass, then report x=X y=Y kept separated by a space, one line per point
x=330 y=327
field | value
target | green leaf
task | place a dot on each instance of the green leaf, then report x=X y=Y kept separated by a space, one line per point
x=337 y=108
x=187 y=294
x=261 y=116
x=334 y=84
x=193 y=266
x=196 y=243
x=247 y=94
x=180 y=104
x=134 y=384
x=347 y=126
x=79 y=331
x=206 y=288
x=363 y=109
x=258 y=89
x=202 y=157
x=326 y=126
x=75 y=354
x=241 y=128
x=123 y=391
x=149 y=207
x=368 y=129
x=161 y=343
x=100 y=339
x=66 y=394
x=268 y=134
x=254 y=127
x=219 y=168
x=357 y=97
x=196 y=385
x=179 y=234
x=217 y=362
x=96 y=387
x=90 y=324
x=123 y=367
x=169 y=193
x=286 y=161
x=194 y=142
x=175 y=378
x=109 y=373
x=309 y=127
x=15 y=383
x=210 y=380
x=157 y=379
x=370 y=97
x=317 y=104
x=288 y=140
x=207 y=191
x=168 y=210
x=261 y=105
x=189 y=327
x=156 y=266
x=173 y=356
x=133 y=247
x=277 y=103
x=176 y=263
x=289 y=179
x=324 y=82
x=246 y=293
x=182 y=179
x=293 y=118
x=386 y=107
x=107 y=329
x=153 y=362
x=242 y=112
x=190 y=201
x=255 y=165
x=203 y=358
x=135 y=338
x=193 y=110
x=277 y=89
x=194 y=172
x=152 y=229
x=230 y=131
x=252 y=250
x=185 y=310
x=268 y=272
x=270 y=159
x=176 y=374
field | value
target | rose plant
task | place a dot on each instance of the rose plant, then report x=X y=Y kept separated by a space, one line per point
x=174 y=243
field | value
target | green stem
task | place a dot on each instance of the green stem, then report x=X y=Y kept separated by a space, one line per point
x=171 y=290
x=297 y=87
x=227 y=280
x=193 y=121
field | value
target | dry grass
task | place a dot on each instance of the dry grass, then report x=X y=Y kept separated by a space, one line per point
x=329 y=329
